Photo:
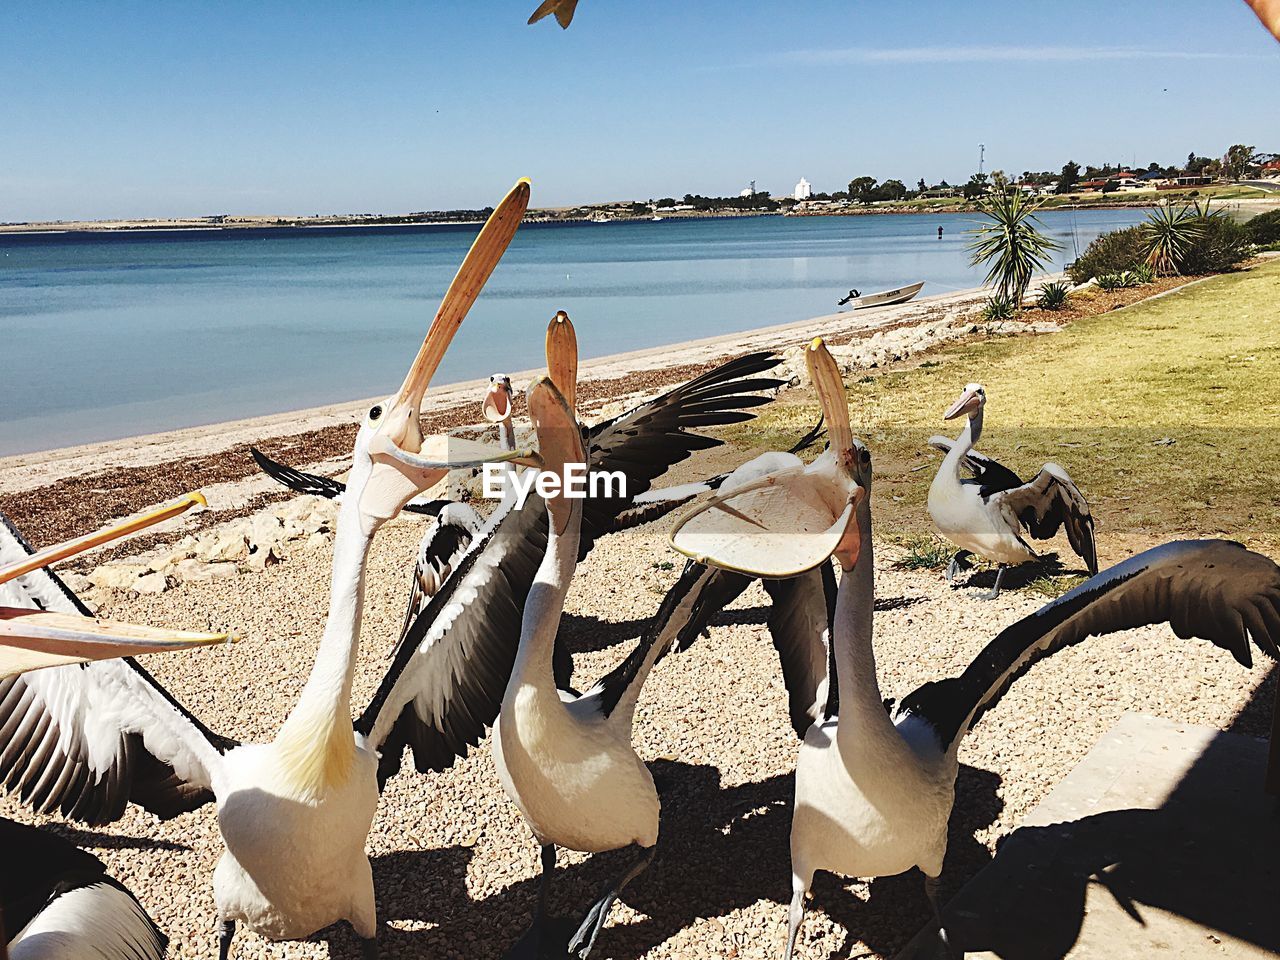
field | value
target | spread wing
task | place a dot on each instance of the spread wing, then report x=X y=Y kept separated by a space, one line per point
x=1048 y=502
x=88 y=739
x=1212 y=589
x=991 y=476
x=315 y=485
x=800 y=623
x=446 y=682
x=438 y=552
x=563 y=9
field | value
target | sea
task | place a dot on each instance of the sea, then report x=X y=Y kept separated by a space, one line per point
x=109 y=335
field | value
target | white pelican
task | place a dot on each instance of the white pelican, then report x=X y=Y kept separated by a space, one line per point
x=56 y=900
x=874 y=790
x=294 y=813
x=993 y=513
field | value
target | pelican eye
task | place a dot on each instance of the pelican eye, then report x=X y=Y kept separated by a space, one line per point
x=865 y=456
x=375 y=412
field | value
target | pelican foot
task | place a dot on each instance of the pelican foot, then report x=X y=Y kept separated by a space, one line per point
x=369 y=949
x=959 y=562
x=995 y=590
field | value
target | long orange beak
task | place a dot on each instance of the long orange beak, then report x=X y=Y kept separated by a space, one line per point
x=32 y=639
x=400 y=422
x=71 y=548
x=562 y=357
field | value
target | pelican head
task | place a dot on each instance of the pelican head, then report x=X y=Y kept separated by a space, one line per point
x=497 y=399
x=392 y=461
x=971 y=401
x=795 y=517
x=562 y=357
x=559 y=444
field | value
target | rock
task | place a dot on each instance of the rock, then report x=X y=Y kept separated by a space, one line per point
x=318 y=541
x=75 y=582
x=117 y=576
x=151 y=583
x=265 y=530
x=262 y=558
x=222 y=545
x=194 y=570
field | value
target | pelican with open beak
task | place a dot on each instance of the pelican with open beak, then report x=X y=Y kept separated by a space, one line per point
x=777 y=517
x=32 y=639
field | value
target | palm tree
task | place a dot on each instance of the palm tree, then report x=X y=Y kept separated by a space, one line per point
x=1010 y=241
x=1170 y=232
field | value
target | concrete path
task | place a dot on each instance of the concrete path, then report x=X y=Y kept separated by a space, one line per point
x=1161 y=843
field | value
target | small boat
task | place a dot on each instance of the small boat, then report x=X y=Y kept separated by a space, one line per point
x=856 y=301
x=601 y=218
x=658 y=219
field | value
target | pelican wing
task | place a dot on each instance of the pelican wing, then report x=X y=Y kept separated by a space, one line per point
x=1050 y=501
x=1212 y=589
x=78 y=909
x=439 y=551
x=800 y=623
x=563 y=10
x=446 y=681
x=87 y=739
x=991 y=476
x=306 y=483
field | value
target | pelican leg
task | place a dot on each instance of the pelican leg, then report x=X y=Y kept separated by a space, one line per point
x=931 y=891
x=795 y=916
x=369 y=949
x=536 y=940
x=958 y=563
x=995 y=591
x=582 y=942
x=226 y=931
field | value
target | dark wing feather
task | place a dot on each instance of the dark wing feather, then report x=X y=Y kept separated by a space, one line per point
x=446 y=682
x=447 y=679
x=1212 y=589
x=1050 y=501
x=438 y=552
x=563 y=9
x=308 y=483
x=991 y=476
x=800 y=623
x=88 y=739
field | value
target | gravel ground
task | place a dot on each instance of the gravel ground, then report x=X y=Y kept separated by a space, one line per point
x=454 y=864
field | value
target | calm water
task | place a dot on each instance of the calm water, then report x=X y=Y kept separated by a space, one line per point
x=104 y=336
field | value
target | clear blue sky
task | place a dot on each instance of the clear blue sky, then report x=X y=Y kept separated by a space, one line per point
x=164 y=109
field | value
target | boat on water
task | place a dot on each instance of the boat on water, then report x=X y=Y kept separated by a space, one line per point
x=861 y=301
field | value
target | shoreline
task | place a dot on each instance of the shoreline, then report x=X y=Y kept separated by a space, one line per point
x=25 y=471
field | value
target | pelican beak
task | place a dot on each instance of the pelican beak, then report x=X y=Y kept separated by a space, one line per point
x=850 y=545
x=559 y=443
x=33 y=639
x=829 y=384
x=562 y=357
x=497 y=401
x=967 y=403
x=398 y=440
x=72 y=548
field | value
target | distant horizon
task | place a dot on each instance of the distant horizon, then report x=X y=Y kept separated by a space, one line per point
x=157 y=111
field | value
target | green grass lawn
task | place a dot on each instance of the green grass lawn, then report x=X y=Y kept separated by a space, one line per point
x=1166 y=413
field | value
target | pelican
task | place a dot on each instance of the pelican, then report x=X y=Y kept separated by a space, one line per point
x=993 y=513
x=294 y=813
x=874 y=789
x=58 y=900
x=563 y=10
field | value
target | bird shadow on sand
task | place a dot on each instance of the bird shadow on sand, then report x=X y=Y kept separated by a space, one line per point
x=110 y=841
x=590 y=634
x=720 y=849
x=1048 y=566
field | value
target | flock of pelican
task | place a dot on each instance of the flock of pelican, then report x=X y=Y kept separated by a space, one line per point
x=85 y=730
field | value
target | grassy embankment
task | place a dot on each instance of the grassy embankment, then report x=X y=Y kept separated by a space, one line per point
x=1166 y=413
x=1215 y=192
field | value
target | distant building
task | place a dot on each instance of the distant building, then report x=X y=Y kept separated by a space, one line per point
x=746 y=192
x=804 y=190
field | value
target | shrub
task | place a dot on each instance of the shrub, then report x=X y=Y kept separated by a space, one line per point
x=1222 y=244
x=1171 y=232
x=999 y=308
x=1011 y=242
x=1143 y=273
x=1264 y=229
x=1054 y=296
x=1118 y=281
x=925 y=552
x=1110 y=253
